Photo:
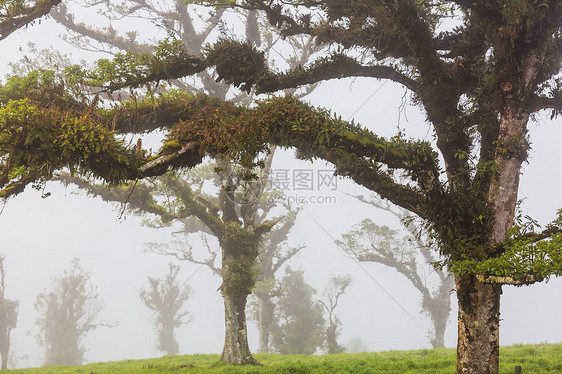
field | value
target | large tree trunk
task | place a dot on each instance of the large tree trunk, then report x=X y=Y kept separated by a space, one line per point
x=236 y=350
x=238 y=278
x=479 y=303
x=479 y=320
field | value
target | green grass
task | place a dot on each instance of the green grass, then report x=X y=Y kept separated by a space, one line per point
x=535 y=359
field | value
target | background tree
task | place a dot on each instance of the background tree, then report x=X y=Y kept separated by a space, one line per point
x=356 y=345
x=300 y=318
x=166 y=297
x=369 y=242
x=274 y=250
x=68 y=311
x=8 y=316
x=160 y=196
x=337 y=284
x=275 y=253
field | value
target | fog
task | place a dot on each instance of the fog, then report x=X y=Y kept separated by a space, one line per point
x=40 y=236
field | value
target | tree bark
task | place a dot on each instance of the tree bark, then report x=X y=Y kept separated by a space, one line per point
x=236 y=350
x=238 y=276
x=479 y=303
x=479 y=319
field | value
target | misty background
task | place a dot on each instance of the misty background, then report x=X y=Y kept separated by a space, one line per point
x=41 y=236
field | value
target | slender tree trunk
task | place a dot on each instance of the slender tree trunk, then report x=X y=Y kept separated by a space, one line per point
x=438 y=340
x=439 y=308
x=4 y=354
x=265 y=318
x=479 y=319
x=439 y=320
x=4 y=339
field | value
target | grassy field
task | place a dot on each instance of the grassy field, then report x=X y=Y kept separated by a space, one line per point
x=535 y=359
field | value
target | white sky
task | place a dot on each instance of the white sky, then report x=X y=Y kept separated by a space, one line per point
x=41 y=236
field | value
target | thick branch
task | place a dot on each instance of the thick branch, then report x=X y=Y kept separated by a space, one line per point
x=383 y=184
x=539 y=102
x=529 y=238
x=187 y=155
x=193 y=206
x=25 y=16
x=335 y=66
x=526 y=280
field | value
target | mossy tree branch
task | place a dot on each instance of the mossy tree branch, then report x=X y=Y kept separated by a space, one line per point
x=15 y=14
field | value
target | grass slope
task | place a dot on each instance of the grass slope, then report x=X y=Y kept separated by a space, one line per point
x=535 y=359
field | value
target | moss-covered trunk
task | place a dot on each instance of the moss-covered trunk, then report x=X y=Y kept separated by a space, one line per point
x=236 y=350
x=479 y=319
x=479 y=303
x=239 y=251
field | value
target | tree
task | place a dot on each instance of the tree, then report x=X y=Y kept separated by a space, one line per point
x=337 y=284
x=179 y=22
x=166 y=198
x=68 y=311
x=478 y=83
x=300 y=327
x=8 y=316
x=370 y=242
x=166 y=297
x=356 y=345
x=237 y=216
x=273 y=254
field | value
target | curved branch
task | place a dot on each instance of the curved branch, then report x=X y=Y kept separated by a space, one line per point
x=25 y=16
x=135 y=196
x=61 y=15
x=193 y=206
x=335 y=66
x=554 y=102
